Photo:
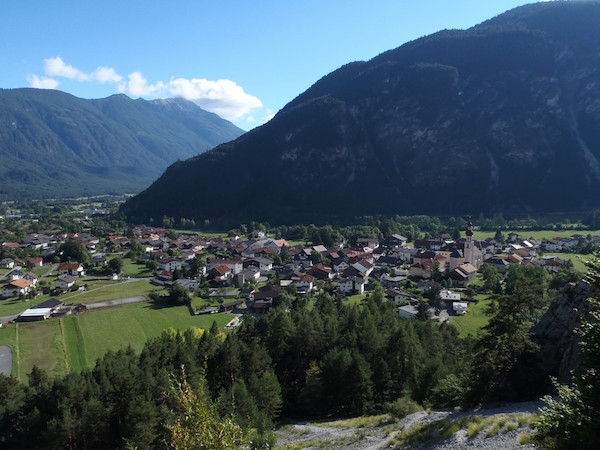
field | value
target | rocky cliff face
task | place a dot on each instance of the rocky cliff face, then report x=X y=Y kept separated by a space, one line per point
x=556 y=334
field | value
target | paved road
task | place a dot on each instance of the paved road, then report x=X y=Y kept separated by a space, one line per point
x=116 y=302
x=5 y=359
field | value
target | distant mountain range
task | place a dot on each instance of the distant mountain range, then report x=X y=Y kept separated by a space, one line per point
x=55 y=145
x=502 y=117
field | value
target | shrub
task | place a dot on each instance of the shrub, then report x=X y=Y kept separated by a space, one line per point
x=402 y=407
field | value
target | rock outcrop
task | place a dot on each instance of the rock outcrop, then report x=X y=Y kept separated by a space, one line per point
x=556 y=334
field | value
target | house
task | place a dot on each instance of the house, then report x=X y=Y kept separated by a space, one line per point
x=11 y=245
x=410 y=312
x=98 y=260
x=267 y=292
x=65 y=282
x=170 y=263
x=340 y=265
x=7 y=263
x=234 y=265
x=463 y=274
x=188 y=284
x=552 y=246
x=247 y=275
x=264 y=265
x=16 y=288
x=262 y=306
x=73 y=269
x=350 y=285
x=320 y=272
x=371 y=243
x=304 y=283
x=521 y=250
x=36 y=262
x=421 y=269
x=219 y=274
x=31 y=277
x=396 y=240
x=230 y=306
x=398 y=297
x=303 y=257
x=16 y=274
x=459 y=308
x=449 y=296
x=500 y=264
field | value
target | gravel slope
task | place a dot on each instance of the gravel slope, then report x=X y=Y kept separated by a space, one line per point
x=327 y=435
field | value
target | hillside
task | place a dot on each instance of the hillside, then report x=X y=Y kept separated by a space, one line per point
x=502 y=117
x=53 y=144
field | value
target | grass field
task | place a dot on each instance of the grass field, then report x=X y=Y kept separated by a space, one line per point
x=538 y=235
x=74 y=343
x=98 y=290
x=474 y=319
x=135 y=270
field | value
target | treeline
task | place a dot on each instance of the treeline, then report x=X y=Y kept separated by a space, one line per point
x=415 y=227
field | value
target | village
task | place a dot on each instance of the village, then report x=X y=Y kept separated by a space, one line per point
x=249 y=275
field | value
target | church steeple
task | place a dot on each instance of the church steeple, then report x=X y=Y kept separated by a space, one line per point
x=469 y=251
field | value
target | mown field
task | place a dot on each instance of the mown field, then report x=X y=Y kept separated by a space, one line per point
x=73 y=343
x=474 y=319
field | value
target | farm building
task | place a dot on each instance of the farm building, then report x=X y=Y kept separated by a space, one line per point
x=41 y=311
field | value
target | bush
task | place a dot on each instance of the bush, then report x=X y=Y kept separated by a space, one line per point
x=402 y=407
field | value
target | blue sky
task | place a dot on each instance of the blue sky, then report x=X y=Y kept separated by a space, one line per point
x=240 y=59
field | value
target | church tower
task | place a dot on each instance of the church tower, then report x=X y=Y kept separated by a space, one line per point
x=469 y=251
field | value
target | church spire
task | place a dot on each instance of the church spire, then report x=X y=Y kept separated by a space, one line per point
x=469 y=252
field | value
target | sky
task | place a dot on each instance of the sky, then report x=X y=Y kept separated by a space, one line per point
x=243 y=60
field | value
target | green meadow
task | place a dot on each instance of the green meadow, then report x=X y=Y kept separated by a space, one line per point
x=75 y=342
x=475 y=317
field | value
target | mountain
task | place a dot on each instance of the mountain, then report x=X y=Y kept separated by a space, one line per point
x=53 y=144
x=501 y=118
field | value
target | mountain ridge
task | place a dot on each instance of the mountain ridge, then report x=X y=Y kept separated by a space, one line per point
x=484 y=120
x=54 y=144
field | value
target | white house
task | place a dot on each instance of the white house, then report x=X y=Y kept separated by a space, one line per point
x=65 y=282
x=351 y=285
x=170 y=263
x=188 y=284
x=74 y=269
x=17 y=287
x=7 y=263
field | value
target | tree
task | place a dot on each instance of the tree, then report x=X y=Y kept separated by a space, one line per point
x=116 y=265
x=572 y=420
x=198 y=425
x=504 y=340
x=499 y=237
x=73 y=251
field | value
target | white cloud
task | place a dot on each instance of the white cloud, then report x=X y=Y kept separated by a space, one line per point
x=106 y=75
x=223 y=97
x=138 y=86
x=42 y=82
x=56 y=67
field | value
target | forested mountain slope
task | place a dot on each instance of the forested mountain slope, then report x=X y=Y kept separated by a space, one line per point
x=53 y=144
x=502 y=117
